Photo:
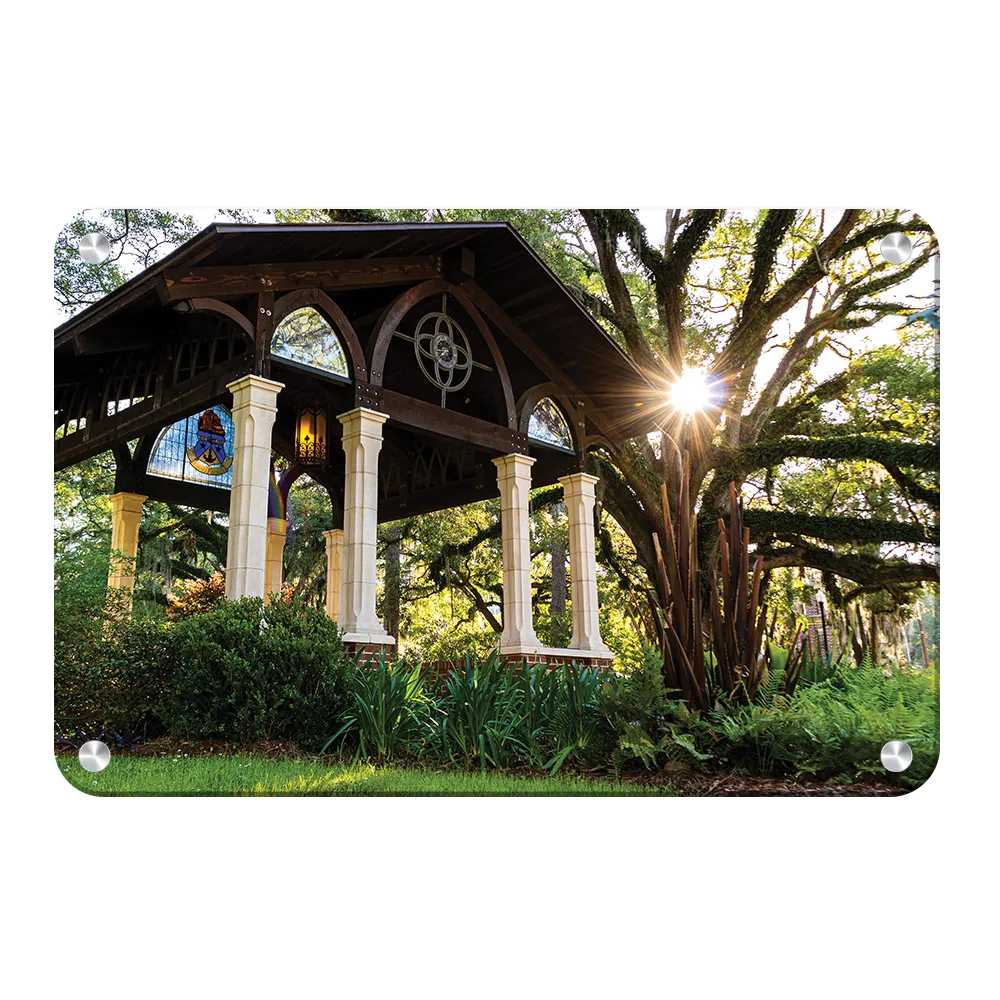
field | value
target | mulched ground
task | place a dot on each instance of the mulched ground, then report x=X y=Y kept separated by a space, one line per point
x=684 y=780
x=716 y=784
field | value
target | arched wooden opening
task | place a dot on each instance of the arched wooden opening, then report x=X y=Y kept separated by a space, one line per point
x=405 y=306
x=318 y=300
x=547 y=403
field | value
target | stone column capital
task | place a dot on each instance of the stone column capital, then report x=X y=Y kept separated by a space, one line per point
x=361 y=419
x=127 y=503
x=579 y=483
x=252 y=390
x=514 y=465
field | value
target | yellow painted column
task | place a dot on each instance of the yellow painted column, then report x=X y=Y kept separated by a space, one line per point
x=334 y=576
x=126 y=513
x=274 y=570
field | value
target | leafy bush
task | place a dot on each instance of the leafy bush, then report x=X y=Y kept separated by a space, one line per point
x=489 y=714
x=249 y=671
x=494 y=713
x=108 y=663
x=575 y=725
x=195 y=597
x=481 y=717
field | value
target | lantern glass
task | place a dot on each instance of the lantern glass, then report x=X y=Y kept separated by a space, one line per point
x=310 y=436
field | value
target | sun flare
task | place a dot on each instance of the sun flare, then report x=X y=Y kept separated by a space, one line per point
x=691 y=393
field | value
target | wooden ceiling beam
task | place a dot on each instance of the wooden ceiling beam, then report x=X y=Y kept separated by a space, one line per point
x=244 y=279
x=450 y=425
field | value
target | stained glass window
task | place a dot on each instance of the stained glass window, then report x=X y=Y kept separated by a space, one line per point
x=198 y=449
x=307 y=339
x=548 y=425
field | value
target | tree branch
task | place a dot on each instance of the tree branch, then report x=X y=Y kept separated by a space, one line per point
x=868 y=571
x=837 y=530
x=909 y=485
x=670 y=281
x=605 y=238
x=854 y=447
x=751 y=331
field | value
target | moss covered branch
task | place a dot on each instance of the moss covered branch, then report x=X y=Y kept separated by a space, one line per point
x=737 y=461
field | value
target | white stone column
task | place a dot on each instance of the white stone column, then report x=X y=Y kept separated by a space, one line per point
x=254 y=409
x=274 y=570
x=578 y=493
x=362 y=441
x=126 y=513
x=514 y=480
x=334 y=577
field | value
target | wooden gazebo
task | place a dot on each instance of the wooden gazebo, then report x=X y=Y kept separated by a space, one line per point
x=405 y=367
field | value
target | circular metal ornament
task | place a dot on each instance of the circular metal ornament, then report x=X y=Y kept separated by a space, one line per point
x=896 y=756
x=94 y=755
x=442 y=351
x=94 y=248
x=896 y=248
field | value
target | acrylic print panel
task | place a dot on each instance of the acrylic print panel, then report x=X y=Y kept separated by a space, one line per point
x=198 y=449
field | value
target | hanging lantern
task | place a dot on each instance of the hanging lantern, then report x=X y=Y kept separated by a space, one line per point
x=310 y=436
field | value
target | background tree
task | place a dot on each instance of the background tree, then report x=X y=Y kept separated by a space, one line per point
x=838 y=460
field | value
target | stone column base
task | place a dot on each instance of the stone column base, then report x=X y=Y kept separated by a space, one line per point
x=556 y=657
x=366 y=645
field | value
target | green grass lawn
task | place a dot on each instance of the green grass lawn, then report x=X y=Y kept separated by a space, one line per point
x=259 y=776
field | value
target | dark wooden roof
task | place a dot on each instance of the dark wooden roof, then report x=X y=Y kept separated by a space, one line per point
x=506 y=267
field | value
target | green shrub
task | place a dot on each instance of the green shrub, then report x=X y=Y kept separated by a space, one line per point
x=480 y=718
x=489 y=714
x=389 y=713
x=108 y=663
x=575 y=726
x=113 y=681
x=248 y=671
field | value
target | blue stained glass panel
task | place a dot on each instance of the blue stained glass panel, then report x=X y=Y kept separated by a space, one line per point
x=198 y=449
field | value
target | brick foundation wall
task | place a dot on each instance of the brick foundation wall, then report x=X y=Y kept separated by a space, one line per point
x=436 y=672
x=371 y=649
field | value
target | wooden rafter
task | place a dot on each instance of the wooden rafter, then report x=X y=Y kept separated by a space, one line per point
x=216 y=282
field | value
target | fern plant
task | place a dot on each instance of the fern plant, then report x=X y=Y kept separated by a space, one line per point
x=649 y=723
